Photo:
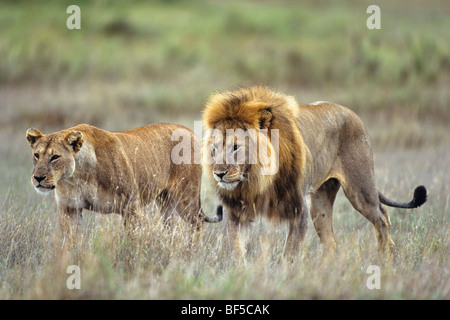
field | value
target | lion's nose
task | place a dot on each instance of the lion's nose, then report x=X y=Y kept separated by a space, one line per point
x=220 y=175
x=39 y=179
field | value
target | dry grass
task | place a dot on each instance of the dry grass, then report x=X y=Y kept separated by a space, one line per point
x=127 y=70
x=160 y=264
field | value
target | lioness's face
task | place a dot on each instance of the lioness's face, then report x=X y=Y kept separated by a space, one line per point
x=53 y=157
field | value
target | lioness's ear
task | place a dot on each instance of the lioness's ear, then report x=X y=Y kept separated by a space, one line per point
x=75 y=140
x=33 y=135
x=265 y=118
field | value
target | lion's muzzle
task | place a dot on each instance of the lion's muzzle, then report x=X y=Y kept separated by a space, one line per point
x=227 y=179
x=219 y=175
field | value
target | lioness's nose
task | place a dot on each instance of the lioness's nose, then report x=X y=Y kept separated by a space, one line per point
x=220 y=175
x=39 y=179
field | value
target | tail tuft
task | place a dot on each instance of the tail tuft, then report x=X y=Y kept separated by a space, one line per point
x=420 y=197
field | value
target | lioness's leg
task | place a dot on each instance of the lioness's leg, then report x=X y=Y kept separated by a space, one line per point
x=71 y=222
x=322 y=212
x=187 y=206
x=190 y=211
x=182 y=199
x=133 y=216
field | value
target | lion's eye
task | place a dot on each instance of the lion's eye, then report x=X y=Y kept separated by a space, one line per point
x=54 y=157
x=213 y=150
x=36 y=155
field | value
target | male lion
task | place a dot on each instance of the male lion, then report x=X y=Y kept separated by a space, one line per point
x=321 y=147
x=116 y=172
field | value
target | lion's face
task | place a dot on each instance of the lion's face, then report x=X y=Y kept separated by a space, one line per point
x=53 y=157
x=229 y=159
x=226 y=170
x=235 y=155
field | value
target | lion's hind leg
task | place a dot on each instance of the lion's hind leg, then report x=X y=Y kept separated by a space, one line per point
x=364 y=198
x=322 y=213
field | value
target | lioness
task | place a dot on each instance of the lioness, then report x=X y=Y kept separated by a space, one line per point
x=116 y=172
x=321 y=147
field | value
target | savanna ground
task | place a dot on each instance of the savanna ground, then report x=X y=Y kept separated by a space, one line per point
x=157 y=61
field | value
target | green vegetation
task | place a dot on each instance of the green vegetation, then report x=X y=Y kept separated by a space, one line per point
x=139 y=62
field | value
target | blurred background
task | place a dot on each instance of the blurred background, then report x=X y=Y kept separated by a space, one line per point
x=139 y=62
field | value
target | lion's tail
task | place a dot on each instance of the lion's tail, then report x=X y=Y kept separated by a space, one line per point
x=420 y=197
x=217 y=218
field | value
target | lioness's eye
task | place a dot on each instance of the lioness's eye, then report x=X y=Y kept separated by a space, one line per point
x=54 y=157
x=36 y=155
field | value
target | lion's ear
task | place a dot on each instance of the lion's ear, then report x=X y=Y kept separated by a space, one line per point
x=33 y=135
x=265 y=119
x=75 y=140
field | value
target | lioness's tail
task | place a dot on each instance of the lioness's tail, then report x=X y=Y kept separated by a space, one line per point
x=217 y=218
x=420 y=197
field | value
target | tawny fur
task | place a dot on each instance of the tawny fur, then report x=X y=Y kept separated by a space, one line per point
x=116 y=172
x=322 y=146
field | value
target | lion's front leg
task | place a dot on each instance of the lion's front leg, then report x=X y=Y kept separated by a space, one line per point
x=232 y=235
x=297 y=229
x=236 y=243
